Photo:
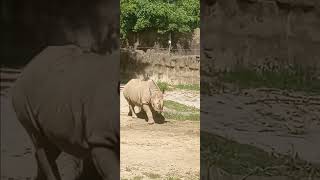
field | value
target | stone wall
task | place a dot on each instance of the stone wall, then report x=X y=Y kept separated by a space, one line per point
x=182 y=43
x=160 y=66
x=253 y=32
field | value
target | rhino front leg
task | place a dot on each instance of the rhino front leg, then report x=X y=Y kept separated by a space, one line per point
x=107 y=163
x=147 y=109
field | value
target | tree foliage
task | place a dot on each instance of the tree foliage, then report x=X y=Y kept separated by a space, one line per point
x=161 y=16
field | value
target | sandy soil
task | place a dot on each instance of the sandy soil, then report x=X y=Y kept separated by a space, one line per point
x=159 y=151
x=273 y=120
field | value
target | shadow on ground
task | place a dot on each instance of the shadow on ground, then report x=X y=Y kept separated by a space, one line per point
x=158 y=118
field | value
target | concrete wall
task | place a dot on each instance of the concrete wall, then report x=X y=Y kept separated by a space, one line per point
x=257 y=32
x=160 y=66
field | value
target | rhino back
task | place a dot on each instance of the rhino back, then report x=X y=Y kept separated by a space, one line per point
x=137 y=92
x=69 y=94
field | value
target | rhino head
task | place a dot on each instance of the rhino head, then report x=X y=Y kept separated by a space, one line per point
x=157 y=102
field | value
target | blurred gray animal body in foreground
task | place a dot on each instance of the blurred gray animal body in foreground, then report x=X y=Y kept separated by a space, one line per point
x=144 y=94
x=68 y=101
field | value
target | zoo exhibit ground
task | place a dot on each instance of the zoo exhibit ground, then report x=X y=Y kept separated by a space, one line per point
x=267 y=120
x=261 y=133
x=161 y=151
x=145 y=149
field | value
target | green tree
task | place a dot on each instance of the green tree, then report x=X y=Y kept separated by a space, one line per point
x=161 y=16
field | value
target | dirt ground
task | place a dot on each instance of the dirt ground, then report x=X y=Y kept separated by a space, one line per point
x=160 y=151
x=271 y=119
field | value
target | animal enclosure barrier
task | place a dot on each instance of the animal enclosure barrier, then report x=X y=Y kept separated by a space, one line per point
x=173 y=69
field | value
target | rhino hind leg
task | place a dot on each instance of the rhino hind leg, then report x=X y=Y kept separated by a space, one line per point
x=47 y=167
x=46 y=153
x=89 y=171
x=131 y=111
x=107 y=162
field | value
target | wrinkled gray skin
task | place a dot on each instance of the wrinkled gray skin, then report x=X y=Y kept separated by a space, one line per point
x=69 y=101
x=146 y=95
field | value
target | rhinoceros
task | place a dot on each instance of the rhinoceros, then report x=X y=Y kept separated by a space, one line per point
x=146 y=95
x=68 y=101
